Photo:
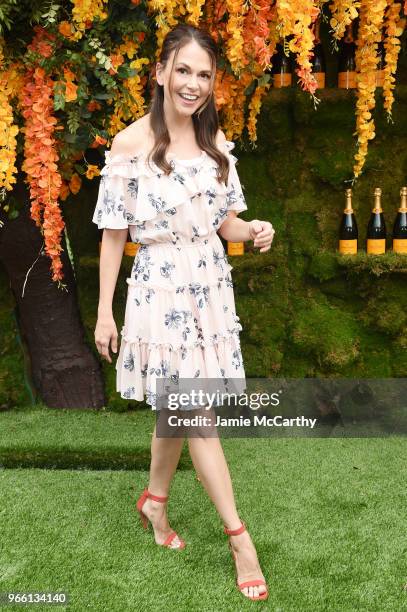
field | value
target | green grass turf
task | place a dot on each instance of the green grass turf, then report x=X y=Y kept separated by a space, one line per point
x=327 y=517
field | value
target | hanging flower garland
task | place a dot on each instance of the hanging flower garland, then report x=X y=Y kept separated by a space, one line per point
x=295 y=19
x=394 y=26
x=369 y=35
x=8 y=131
x=256 y=33
x=234 y=42
x=343 y=12
x=40 y=163
x=254 y=110
x=41 y=156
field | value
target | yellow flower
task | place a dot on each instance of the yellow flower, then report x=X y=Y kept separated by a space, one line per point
x=92 y=171
x=8 y=133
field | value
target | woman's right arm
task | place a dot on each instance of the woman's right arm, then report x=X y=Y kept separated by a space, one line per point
x=111 y=254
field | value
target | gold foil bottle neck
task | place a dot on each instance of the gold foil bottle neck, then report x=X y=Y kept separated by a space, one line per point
x=403 y=199
x=377 y=200
x=348 y=208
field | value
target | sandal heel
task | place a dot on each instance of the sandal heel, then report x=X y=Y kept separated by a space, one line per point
x=145 y=520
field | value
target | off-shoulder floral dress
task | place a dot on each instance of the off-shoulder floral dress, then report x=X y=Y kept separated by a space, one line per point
x=180 y=319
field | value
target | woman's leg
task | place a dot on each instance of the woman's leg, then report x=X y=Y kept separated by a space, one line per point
x=165 y=454
x=210 y=465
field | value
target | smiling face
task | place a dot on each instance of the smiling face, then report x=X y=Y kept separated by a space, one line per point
x=192 y=78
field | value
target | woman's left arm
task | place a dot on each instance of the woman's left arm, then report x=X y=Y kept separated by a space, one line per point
x=238 y=230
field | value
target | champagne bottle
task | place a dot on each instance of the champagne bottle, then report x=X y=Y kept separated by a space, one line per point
x=400 y=225
x=381 y=53
x=348 y=231
x=376 y=229
x=235 y=248
x=131 y=248
x=281 y=68
x=347 y=63
x=318 y=59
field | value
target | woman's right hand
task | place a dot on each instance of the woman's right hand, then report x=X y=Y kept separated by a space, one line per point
x=106 y=335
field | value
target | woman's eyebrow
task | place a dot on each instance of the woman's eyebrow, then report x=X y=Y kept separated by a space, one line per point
x=184 y=64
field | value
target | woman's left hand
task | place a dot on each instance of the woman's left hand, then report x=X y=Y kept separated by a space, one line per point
x=262 y=234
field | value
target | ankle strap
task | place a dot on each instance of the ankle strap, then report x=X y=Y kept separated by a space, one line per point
x=233 y=532
x=156 y=498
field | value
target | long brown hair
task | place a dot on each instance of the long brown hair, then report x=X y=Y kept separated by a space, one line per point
x=205 y=119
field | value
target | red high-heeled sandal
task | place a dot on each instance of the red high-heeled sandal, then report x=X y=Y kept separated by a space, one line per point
x=144 y=519
x=247 y=583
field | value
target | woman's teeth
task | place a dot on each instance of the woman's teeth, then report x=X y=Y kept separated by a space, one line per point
x=189 y=98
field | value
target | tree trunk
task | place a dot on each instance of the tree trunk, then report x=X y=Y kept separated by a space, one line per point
x=64 y=370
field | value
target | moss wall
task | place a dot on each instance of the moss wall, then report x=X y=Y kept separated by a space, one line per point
x=305 y=310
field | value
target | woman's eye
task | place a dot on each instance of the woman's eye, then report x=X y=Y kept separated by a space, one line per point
x=182 y=70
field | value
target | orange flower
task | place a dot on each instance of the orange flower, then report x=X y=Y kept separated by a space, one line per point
x=70 y=91
x=65 y=29
x=75 y=183
x=68 y=74
x=92 y=171
x=64 y=193
x=99 y=140
x=41 y=156
x=117 y=59
x=93 y=105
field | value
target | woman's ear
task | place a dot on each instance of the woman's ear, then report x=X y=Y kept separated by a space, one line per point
x=158 y=73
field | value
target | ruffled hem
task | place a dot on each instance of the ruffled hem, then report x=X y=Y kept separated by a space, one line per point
x=185 y=346
x=140 y=364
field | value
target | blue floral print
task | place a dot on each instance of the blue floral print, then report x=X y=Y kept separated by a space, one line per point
x=180 y=321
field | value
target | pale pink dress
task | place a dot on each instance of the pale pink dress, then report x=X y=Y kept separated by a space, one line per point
x=180 y=320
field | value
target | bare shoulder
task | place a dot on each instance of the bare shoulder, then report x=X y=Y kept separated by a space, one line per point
x=220 y=138
x=133 y=138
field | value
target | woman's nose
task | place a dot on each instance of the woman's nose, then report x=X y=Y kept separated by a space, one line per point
x=193 y=82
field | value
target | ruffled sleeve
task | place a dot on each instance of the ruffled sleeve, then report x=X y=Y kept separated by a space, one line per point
x=235 y=199
x=131 y=191
x=117 y=195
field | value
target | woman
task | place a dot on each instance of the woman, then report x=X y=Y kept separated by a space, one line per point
x=171 y=181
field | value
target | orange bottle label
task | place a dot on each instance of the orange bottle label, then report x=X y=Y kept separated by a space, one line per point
x=282 y=80
x=376 y=246
x=131 y=248
x=347 y=80
x=235 y=248
x=400 y=245
x=348 y=247
x=320 y=79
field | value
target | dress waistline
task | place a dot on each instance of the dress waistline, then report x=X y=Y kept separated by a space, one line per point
x=185 y=245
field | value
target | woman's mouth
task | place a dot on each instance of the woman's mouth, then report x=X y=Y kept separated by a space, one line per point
x=186 y=99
